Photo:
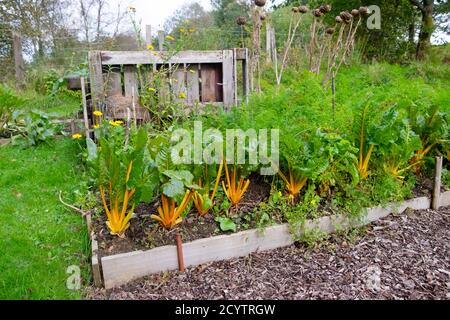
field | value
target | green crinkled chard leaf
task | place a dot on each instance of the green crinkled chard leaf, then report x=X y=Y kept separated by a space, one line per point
x=173 y=188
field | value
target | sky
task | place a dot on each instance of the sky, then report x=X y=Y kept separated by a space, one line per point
x=155 y=12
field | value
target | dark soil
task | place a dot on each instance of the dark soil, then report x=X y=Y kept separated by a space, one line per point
x=144 y=233
x=423 y=186
x=400 y=257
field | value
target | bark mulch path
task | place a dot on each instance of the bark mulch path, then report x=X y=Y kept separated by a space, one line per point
x=399 y=257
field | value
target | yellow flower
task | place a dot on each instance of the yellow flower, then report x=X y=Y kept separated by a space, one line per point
x=119 y=122
x=313 y=202
x=151 y=89
x=192 y=30
x=76 y=136
x=170 y=38
x=182 y=30
x=114 y=123
x=155 y=54
x=182 y=95
x=96 y=126
x=280 y=194
x=98 y=113
x=150 y=47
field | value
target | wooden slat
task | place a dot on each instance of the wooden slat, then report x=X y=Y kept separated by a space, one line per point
x=96 y=78
x=122 y=268
x=113 y=83
x=147 y=57
x=130 y=81
x=211 y=83
x=228 y=79
x=444 y=199
x=246 y=84
x=193 y=84
x=179 y=84
x=241 y=53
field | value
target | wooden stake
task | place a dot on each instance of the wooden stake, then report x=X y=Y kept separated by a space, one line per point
x=161 y=40
x=18 y=59
x=148 y=35
x=437 y=184
x=180 y=252
x=85 y=113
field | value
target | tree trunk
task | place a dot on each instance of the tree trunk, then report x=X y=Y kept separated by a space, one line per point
x=426 y=29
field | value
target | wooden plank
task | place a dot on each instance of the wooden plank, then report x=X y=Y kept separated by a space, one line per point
x=437 y=184
x=148 y=35
x=445 y=199
x=122 y=268
x=96 y=273
x=179 y=84
x=161 y=40
x=19 y=64
x=113 y=83
x=246 y=84
x=96 y=78
x=147 y=57
x=228 y=79
x=130 y=81
x=241 y=53
x=211 y=83
x=84 y=102
x=235 y=78
x=193 y=84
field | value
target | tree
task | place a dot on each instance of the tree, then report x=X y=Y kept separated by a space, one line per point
x=426 y=30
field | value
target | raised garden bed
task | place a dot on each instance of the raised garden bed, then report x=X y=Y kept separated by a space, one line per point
x=122 y=268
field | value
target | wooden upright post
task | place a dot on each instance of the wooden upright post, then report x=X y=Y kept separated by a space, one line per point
x=18 y=59
x=148 y=35
x=268 y=43
x=85 y=112
x=437 y=184
x=161 y=40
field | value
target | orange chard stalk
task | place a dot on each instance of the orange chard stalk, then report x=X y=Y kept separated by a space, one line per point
x=234 y=190
x=199 y=198
x=118 y=219
x=294 y=184
x=418 y=158
x=363 y=163
x=169 y=215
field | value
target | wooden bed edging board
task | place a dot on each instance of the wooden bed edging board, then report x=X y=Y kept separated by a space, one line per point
x=445 y=199
x=122 y=268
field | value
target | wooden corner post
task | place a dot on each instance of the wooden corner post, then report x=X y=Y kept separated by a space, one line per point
x=96 y=80
x=437 y=184
x=19 y=64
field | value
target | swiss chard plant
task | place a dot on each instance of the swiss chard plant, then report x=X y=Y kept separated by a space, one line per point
x=122 y=177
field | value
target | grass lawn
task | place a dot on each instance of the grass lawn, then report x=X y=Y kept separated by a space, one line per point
x=40 y=238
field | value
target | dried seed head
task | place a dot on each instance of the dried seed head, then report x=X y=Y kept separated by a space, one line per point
x=295 y=10
x=325 y=8
x=303 y=9
x=260 y=3
x=346 y=16
x=330 y=31
x=317 y=13
x=339 y=19
x=364 y=11
x=355 y=12
x=241 y=21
